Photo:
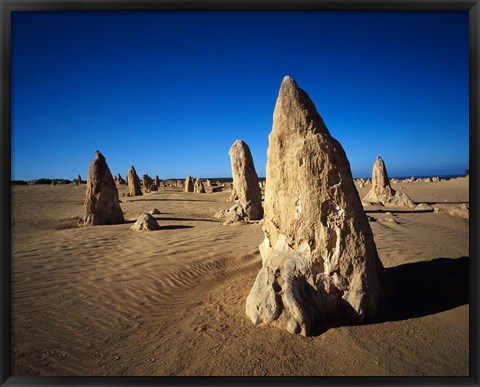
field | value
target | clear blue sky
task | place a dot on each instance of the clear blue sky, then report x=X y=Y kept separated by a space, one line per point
x=170 y=92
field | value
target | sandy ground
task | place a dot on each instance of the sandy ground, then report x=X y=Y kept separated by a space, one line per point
x=105 y=300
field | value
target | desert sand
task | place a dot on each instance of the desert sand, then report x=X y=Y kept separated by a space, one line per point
x=107 y=300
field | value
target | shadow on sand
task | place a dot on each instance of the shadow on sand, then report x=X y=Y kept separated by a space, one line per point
x=189 y=219
x=420 y=289
x=176 y=219
x=174 y=227
x=429 y=287
x=430 y=203
x=397 y=211
x=170 y=200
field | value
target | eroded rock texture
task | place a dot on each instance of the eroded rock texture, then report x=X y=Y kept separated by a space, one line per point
x=189 y=184
x=101 y=199
x=145 y=222
x=245 y=180
x=198 y=187
x=319 y=258
x=381 y=191
x=133 y=183
x=147 y=182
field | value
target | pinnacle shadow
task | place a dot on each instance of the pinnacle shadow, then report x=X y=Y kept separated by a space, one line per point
x=418 y=289
x=187 y=219
x=170 y=200
x=427 y=287
x=174 y=227
x=397 y=211
x=448 y=202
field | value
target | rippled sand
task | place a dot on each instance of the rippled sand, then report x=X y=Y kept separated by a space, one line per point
x=106 y=300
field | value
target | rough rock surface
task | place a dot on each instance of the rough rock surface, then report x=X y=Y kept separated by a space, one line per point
x=147 y=182
x=189 y=184
x=381 y=191
x=101 y=199
x=424 y=207
x=153 y=188
x=145 y=222
x=232 y=215
x=156 y=181
x=198 y=187
x=245 y=180
x=319 y=258
x=133 y=183
x=78 y=181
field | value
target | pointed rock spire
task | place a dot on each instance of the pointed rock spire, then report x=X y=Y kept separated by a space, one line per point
x=189 y=184
x=319 y=257
x=295 y=111
x=381 y=192
x=245 y=180
x=101 y=199
x=133 y=183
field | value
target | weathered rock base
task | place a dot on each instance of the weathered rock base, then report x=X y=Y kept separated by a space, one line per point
x=390 y=199
x=290 y=294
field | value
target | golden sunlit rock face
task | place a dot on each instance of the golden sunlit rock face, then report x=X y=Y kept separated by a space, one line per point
x=101 y=199
x=319 y=256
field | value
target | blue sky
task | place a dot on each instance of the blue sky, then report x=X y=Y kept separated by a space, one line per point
x=169 y=92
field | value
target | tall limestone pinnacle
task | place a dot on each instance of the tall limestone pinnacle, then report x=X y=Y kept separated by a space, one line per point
x=101 y=199
x=245 y=180
x=381 y=192
x=319 y=258
x=133 y=183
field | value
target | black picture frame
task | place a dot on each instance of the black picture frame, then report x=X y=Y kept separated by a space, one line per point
x=9 y=6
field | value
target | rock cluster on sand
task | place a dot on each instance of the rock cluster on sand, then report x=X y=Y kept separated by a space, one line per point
x=382 y=193
x=133 y=183
x=145 y=222
x=101 y=199
x=319 y=258
x=198 y=187
x=461 y=210
x=232 y=215
x=246 y=189
x=189 y=184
